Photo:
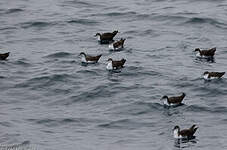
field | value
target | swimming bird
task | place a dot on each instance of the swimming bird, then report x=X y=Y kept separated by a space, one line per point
x=117 y=45
x=117 y=64
x=177 y=100
x=205 y=53
x=106 y=38
x=4 y=56
x=212 y=75
x=186 y=133
x=89 y=59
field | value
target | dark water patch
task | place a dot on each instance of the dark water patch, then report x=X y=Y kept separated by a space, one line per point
x=172 y=18
x=210 y=90
x=88 y=22
x=6 y=124
x=81 y=4
x=90 y=72
x=200 y=109
x=89 y=95
x=199 y=20
x=14 y=10
x=37 y=24
x=7 y=28
x=2 y=77
x=139 y=72
x=153 y=106
x=22 y=62
x=44 y=82
x=53 y=122
x=116 y=14
x=124 y=124
x=137 y=108
x=59 y=55
x=63 y=121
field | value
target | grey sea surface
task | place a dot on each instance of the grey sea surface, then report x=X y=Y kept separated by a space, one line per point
x=51 y=100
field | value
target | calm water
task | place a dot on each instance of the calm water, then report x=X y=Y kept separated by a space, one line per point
x=52 y=101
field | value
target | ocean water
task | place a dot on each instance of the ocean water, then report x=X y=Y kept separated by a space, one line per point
x=50 y=100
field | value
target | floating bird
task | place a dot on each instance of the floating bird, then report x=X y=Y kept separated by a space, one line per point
x=4 y=56
x=117 y=64
x=186 y=133
x=177 y=100
x=117 y=45
x=212 y=75
x=106 y=38
x=89 y=59
x=205 y=53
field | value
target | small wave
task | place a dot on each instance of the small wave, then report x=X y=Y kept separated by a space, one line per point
x=22 y=62
x=115 y=14
x=44 y=82
x=37 y=24
x=153 y=106
x=199 y=20
x=90 y=72
x=112 y=14
x=114 y=124
x=2 y=77
x=62 y=121
x=58 y=55
x=53 y=122
x=125 y=124
x=6 y=124
x=79 y=4
x=99 y=91
x=83 y=21
x=14 y=10
x=196 y=108
x=8 y=28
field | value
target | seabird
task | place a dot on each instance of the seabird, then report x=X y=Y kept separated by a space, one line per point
x=176 y=100
x=117 y=45
x=106 y=38
x=205 y=53
x=186 y=133
x=212 y=75
x=89 y=59
x=117 y=64
x=4 y=56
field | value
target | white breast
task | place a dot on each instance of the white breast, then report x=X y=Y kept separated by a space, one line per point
x=175 y=134
x=83 y=59
x=98 y=38
x=206 y=77
x=165 y=102
x=111 y=46
x=198 y=55
x=109 y=66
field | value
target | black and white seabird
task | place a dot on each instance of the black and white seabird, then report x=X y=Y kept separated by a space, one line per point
x=171 y=101
x=186 y=133
x=89 y=59
x=212 y=75
x=4 y=56
x=205 y=53
x=117 y=64
x=117 y=45
x=106 y=38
